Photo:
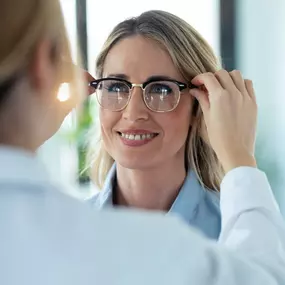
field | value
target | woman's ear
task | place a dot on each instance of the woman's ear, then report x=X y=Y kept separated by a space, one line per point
x=42 y=69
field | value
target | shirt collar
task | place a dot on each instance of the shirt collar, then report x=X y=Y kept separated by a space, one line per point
x=189 y=197
x=106 y=194
x=185 y=204
x=20 y=166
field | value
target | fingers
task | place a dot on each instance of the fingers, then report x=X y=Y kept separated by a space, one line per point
x=91 y=90
x=238 y=80
x=84 y=73
x=88 y=76
x=208 y=80
x=250 y=89
x=225 y=80
x=202 y=98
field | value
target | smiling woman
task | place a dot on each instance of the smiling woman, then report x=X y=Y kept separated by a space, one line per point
x=151 y=127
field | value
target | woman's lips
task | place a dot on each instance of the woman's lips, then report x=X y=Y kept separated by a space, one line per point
x=137 y=139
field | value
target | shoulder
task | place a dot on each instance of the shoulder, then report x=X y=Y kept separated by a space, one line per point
x=62 y=223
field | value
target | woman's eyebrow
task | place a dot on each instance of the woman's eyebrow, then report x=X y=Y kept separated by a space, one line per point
x=151 y=78
x=118 y=75
x=159 y=77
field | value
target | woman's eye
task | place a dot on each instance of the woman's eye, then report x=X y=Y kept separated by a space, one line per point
x=161 y=89
x=117 y=87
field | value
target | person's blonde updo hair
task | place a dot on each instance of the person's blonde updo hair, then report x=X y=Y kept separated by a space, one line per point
x=191 y=55
x=23 y=24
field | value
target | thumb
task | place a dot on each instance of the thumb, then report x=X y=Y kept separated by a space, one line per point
x=202 y=98
x=88 y=77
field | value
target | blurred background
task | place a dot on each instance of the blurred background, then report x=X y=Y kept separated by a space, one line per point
x=246 y=35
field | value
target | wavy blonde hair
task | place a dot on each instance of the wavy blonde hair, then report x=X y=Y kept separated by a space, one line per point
x=23 y=24
x=191 y=55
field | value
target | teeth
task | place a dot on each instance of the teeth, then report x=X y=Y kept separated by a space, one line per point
x=137 y=137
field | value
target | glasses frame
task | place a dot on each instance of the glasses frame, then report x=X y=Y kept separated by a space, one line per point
x=182 y=86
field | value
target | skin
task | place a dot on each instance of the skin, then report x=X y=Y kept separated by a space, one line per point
x=151 y=175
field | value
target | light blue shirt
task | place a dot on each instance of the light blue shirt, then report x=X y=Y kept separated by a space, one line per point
x=197 y=206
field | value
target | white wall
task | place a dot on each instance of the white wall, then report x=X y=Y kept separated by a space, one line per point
x=261 y=57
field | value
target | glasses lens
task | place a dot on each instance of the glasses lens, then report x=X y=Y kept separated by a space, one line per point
x=162 y=96
x=112 y=94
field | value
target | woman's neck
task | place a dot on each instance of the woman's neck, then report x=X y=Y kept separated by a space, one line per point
x=152 y=189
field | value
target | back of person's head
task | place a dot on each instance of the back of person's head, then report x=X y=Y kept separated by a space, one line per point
x=35 y=59
x=191 y=55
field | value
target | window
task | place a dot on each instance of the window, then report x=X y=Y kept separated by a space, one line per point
x=203 y=15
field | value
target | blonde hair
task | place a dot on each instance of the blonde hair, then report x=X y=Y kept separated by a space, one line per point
x=191 y=55
x=23 y=24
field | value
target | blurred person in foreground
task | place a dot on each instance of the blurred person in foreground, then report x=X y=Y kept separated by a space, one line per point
x=49 y=238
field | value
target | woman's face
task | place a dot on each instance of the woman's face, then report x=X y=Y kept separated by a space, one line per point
x=137 y=137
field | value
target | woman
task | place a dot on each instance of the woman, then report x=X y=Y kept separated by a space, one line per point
x=156 y=136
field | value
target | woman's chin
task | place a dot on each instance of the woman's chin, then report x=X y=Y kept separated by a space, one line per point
x=135 y=163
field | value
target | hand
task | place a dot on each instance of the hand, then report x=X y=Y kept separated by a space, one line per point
x=230 y=114
x=89 y=78
x=68 y=105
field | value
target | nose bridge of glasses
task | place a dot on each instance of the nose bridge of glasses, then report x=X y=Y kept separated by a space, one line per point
x=137 y=100
x=137 y=85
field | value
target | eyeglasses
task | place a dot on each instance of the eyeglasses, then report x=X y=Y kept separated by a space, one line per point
x=159 y=95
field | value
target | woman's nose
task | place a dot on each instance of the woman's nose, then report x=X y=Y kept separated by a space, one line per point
x=136 y=109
